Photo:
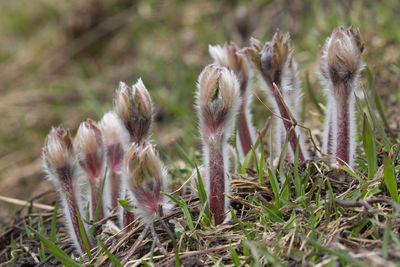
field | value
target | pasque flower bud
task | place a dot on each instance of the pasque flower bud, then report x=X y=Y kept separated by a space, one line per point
x=276 y=65
x=146 y=179
x=60 y=166
x=217 y=102
x=340 y=65
x=116 y=139
x=134 y=107
x=228 y=56
x=89 y=149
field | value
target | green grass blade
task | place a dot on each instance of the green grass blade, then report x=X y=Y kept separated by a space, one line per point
x=184 y=155
x=53 y=234
x=99 y=202
x=377 y=123
x=111 y=256
x=234 y=255
x=56 y=251
x=182 y=204
x=275 y=186
x=369 y=148
x=83 y=234
x=203 y=197
x=247 y=162
x=312 y=94
x=390 y=178
x=235 y=219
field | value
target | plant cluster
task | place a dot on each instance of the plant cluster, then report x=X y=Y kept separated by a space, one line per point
x=114 y=159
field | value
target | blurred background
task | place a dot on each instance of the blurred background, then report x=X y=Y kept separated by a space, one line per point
x=60 y=62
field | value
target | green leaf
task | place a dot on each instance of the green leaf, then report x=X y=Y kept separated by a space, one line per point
x=56 y=251
x=182 y=204
x=111 y=256
x=390 y=179
x=126 y=205
x=369 y=148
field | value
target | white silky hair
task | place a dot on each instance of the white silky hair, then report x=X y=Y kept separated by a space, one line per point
x=113 y=132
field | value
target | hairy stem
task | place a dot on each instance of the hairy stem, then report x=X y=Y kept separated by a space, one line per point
x=115 y=184
x=71 y=210
x=243 y=130
x=217 y=178
x=343 y=141
x=95 y=189
x=293 y=139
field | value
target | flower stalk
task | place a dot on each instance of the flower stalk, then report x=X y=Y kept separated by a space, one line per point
x=89 y=149
x=340 y=65
x=278 y=69
x=218 y=101
x=133 y=106
x=60 y=167
x=115 y=140
x=228 y=56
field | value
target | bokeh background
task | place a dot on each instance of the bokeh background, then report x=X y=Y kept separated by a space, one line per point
x=60 y=62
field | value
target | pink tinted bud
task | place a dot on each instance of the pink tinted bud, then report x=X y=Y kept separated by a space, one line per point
x=88 y=145
x=217 y=101
x=57 y=155
x=115 y=139
x=60 y=167
x=340 y=58
x=134 y=108
x=228 y=56
x=146 y=178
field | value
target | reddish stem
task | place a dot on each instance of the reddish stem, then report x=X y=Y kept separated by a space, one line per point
x=293 y=140
x=217 y=183
x=72 y=210
x=115 y=184
x=95 y=188
x=343 y=130
x=243 y=129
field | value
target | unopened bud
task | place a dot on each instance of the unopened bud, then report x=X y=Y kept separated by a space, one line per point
x=340 y=58
x=146 y=176
x=218 y=100
x=88 y=145
x=115 y=139
x=228 y=56
x=134 y=107
x=57 y=154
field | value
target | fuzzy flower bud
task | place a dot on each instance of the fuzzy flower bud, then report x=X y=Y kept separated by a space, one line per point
x=278 y=69
x=58 y=155
x=115 y=140
x=228 y=56
x=146 y=177
x=340 y=65
x=217 y=101
x=134 y=107
x=88 y=145
x=60 y=167
x=340 y=58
